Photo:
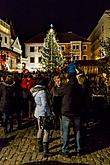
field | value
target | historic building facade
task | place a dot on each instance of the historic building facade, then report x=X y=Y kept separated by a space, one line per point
x=71 y=45
x=100 y=35
x=10 y=47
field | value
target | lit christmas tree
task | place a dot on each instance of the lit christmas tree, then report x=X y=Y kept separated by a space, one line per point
x=51 y=53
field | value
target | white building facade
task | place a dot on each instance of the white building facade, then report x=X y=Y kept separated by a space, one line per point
x=33 y=55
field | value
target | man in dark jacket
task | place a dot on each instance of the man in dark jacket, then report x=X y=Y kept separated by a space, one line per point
x=71 y=111
x=7 y=102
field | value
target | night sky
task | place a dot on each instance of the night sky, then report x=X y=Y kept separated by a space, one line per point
x=30 y=17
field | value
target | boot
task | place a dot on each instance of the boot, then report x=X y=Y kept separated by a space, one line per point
x=40 y=145
x=5 y=131
x=45 y=149
x=11 y=125
x=5 y=125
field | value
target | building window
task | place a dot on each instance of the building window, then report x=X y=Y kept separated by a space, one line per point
x=75 y=47
x=32 y=59
x=84 y=47
x=62 y=48
x=39 y=48
x=6 y=40
x=31 y=48
x=84 y=57
x=76 y=58
x=39 y=59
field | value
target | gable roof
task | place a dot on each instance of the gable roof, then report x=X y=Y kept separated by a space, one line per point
x=16 y=43
x=62 y=38
x=16 y=46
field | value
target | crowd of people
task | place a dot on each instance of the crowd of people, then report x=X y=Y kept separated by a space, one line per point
x=62 y=96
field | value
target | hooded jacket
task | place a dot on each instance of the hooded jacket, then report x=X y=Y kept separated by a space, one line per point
x=71 y=98
x=41 y=98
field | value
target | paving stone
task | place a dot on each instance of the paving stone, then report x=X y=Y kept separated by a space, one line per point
x=22 y=149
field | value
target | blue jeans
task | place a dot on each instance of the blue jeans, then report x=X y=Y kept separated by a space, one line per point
x=66 y=121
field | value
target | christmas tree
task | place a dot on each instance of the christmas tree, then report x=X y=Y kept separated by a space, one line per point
x=51 y=53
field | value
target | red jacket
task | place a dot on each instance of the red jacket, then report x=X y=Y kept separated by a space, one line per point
x=24 y=83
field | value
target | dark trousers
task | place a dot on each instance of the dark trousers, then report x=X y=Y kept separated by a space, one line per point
x=7 y=121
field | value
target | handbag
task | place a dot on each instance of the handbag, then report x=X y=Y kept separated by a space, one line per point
x=48 y=122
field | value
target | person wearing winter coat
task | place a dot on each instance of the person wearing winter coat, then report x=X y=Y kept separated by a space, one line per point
x=31 y=82
x=71 y=109
x=42 y=110
x=18 y=100
x=24 y=85
x=56 y=100
x=7 y=103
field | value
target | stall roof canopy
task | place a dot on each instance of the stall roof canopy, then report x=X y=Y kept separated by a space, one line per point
x=93 y=62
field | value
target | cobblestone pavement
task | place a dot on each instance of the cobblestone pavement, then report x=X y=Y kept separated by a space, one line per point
x=20 y=147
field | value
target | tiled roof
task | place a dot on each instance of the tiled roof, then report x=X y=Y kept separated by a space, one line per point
x=37 y=38
x=68 y=37
x=62 y=38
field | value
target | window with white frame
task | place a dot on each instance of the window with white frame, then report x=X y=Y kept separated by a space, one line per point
x=84 y=47
x=39 y=59
x=75 y=47
x=6 y=40
x=39 y=48
x=32 y=49
x=76 y=57
x=84 y=57
x=32 y=59
x=62 y=47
